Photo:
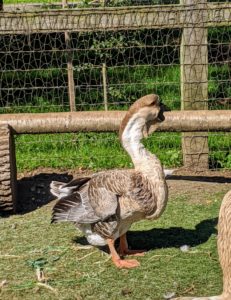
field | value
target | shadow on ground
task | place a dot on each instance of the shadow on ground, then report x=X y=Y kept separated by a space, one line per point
x=34 y=191
x=33 y=188
x=174 y=236
x=158 y=238
x=197 y=178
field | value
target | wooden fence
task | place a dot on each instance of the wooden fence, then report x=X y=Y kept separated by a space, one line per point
x=119 y=18
x=194 y=17
x=178 y=121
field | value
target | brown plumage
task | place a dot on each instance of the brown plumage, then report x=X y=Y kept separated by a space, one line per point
x=224 y=251
x=105 y=205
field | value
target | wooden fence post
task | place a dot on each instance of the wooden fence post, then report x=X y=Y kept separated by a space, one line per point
x=8 y=173
x=194 y=80
x=70 y=68
x=104 y=74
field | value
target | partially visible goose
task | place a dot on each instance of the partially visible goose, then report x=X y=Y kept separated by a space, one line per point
x=224 y=251
x=105 y=205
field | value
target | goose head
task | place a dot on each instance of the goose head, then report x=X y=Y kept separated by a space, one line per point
x=146 y=111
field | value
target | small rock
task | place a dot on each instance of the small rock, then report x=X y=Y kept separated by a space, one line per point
x=185 y=248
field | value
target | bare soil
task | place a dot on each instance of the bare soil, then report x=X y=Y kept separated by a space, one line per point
x=33 y=187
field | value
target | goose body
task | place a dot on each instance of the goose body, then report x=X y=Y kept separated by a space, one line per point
x=105 y=205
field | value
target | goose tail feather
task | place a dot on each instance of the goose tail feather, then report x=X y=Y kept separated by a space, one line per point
x=63 y=189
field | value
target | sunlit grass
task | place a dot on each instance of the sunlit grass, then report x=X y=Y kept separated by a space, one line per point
x=89 y=150
x=30 y=240
x=99 y=151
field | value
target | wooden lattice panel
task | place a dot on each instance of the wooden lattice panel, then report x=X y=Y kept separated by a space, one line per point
x=7 y=170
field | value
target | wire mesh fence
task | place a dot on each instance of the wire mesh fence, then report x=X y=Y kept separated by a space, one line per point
x=110 y=70
x=137 y=63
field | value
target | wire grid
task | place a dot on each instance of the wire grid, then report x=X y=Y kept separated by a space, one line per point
x=24 y=5
x=34 y=78
x=34 y=75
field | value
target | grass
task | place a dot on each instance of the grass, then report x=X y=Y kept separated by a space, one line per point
x=103 y=151
x=29 y=241
x=88 y=150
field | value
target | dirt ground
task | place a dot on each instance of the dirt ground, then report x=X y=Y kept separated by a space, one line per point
x=33 y=187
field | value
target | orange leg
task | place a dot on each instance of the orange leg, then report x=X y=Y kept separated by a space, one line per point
x=123 y=248
x=120 y=263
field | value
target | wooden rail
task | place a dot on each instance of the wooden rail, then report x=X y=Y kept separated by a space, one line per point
x=119 y=18
x=99 y=121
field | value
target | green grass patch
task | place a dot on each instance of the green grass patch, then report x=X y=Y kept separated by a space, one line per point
x=99 y=151
x=89 y=150
x=29 y=241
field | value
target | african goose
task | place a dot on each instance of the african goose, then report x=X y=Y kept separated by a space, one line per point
x=224 y=251
x=105 y=205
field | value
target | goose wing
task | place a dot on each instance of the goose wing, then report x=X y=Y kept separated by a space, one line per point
x=93 y=200
x=105 y=189
x=73 y=205
x=71 y=208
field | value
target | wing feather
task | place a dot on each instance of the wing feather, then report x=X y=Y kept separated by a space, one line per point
x=105 y=190
x=72 y=209
x=92 y=199
x=63 y=189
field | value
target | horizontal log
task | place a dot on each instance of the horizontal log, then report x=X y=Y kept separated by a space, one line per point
x=114 y=18
x=99 y=121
